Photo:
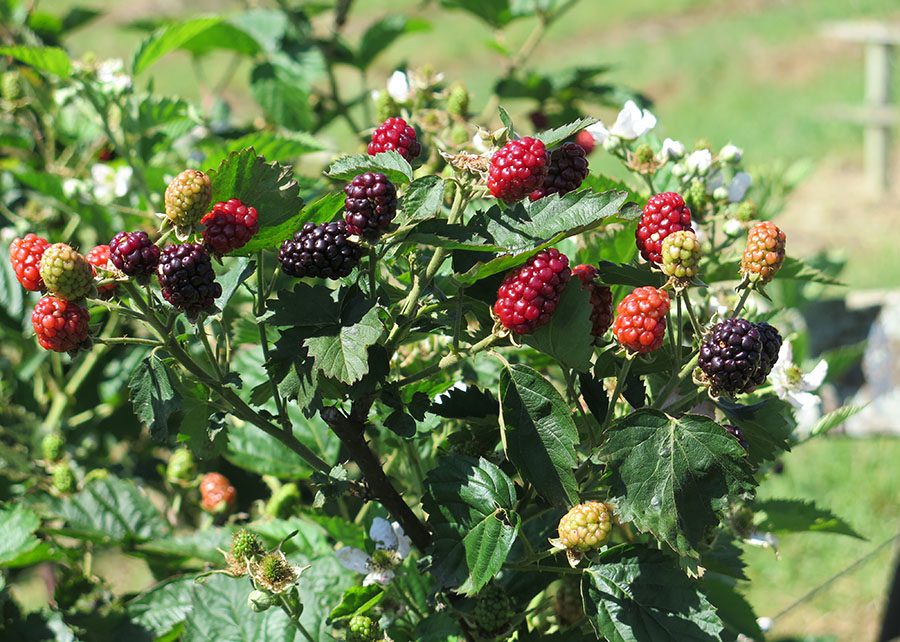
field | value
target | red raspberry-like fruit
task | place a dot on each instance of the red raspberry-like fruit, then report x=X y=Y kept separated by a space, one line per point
x=98 y=257
x=135 y=254
x=66 y=273
x=568 y=169
x=585 y=527
x=60 y=325
x=187 y=279
x=395 y=134
x=217 y=495
x=586 y=140
x=641 y=321
x=371 y=204
x=664 y=213
x=518 y=168
x=25 y=256
x=529 y=294
x=764 y=253
x=601 y=299
x=229 y=226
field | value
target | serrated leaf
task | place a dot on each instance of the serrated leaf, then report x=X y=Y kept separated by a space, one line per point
x=554 y=137
x=269 y=187
x=282 y=146
x=113 y=511
x=242 y=269
x=629 y=274
x=798 y=516
x=306 y=305
x=162 y=607
x=470 y=508
x=381 y=34
x=391 y=164
x=341 y=352
x=423 y=199
x=201 y=431
x=462 y=404
x=18 y=524
x=766 y=426
x=153 y=395
x=833 y=419
x=636 y=595
x=672 y=477
x=357 y=600
x=155 y=111
x=254 y=450
x=540 y=435
x=50 y=59
x=567 y=336
x=167 y=39
x=227 y=35
x=10 y=290
x=495 y=13
x=792 y=268
x=202 y=544
x=283 y=96
x=732 y=607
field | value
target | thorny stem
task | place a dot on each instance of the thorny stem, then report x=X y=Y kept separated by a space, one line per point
x=740 y=304
x=264 y=341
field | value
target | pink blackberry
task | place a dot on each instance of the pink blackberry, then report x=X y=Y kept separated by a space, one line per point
x=98 y=257
x=187 y=279
x=568 y=169
x=229 y=226
x=324 y=251
x=664 y=213
x=135 y=254
x=529 y=294
x=25 y=256
x=601 y=299
x=60 y=325
x=641 y=324
x=395 y=134
x=518 y=168
x=371 y=204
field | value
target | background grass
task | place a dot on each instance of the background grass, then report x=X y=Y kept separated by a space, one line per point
x=757 y=73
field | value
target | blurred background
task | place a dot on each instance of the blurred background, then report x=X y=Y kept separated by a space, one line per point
x=769 y=76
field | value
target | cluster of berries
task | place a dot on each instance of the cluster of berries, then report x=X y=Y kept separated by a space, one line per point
x=524 y=167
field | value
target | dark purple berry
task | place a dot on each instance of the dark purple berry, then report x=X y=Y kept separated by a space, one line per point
x=568 y=169
x=371 y=204
x=135 y=254
x=187 y=278
x=322 y=251
x=735 y=355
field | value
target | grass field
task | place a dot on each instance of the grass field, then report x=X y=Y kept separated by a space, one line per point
x=757 y=73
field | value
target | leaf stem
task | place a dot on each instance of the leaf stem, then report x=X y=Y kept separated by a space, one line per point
x=698 y=331
x=264 y=341
x=620 y=385
x=449 y=361
x=740 y=305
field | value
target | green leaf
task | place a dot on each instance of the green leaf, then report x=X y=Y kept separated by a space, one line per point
x=636 y=595
x=539 y=433
x=155 y=111
x=391 y=164
x=423 y=199
x=495 y=13
x=167 y=39
x=380 y=35
x=470 y=508
x=17 y=523
x=833 y=419
x=567 y=336
x=306 y=305
x=357 y=600
x=732 y=607
x=554 y=137
x=113 y=511
x=153 y=395
x=341 y=352
x=269 y=187
x=202 y=545
x=254 y=450
x=629 y=274
x=241 y=270
x=218 y=612
x=282 y=146
x=227 y=35
x=798 y=516
x=673 y=476
x=792 y=268
x=767 y=426
x=201 y=431
x=282 y=96
x=164 y=606
x=50 y=59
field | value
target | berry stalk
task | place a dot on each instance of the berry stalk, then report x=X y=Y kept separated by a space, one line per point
x=260 y=309
x=620 y=385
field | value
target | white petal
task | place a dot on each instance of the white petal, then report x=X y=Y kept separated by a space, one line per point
x=599 y=132
x=672 y=149
x=379 y=577
x=628 y=121
x=800 y=399
x=700 y=159
x=815 y=378
x=101 y=173
x=647 y=122
x=731 y=153
x=785 y=355
x=382 y=533
x=398 y=87
x=403 y=542
x=739 y=186
x=353 y=559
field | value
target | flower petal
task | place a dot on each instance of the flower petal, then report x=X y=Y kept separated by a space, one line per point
x=403 y=541
x=700 y=159
x=382 y=533
x=353 y=559
x=628 y=121
x=739 y=186
x=379 y=577
x=599 y=131
x=815 y=378
x=672 y=149
x=398 y=86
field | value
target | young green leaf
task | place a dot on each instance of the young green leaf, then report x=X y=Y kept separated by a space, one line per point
x=540 y=435
x=341 y=351
x=391 y=164
x=357 y=600
x=164 y=606
x=153 y=395
x=17 y=523
x=50 y=59
x=423 y=199
x=554 y=137
x=672 y=476
x=380 y=35
x=168 y=38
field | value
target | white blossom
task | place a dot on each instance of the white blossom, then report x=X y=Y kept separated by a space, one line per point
x=110 y=183
x=392 y=546
x=599 y=131
x=797 y=388
x=398 y=86
x=632 y=122
x=112 y=77
x=731 y=153
x=735 y=190
x=671 y=149
x=699 y=161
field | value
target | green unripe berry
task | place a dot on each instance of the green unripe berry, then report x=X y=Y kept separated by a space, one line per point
x=260 y=601
x=11 y=85
x=274 y=569
x=53 y=447
x=385 y=107
x=458 y=100
x=245 y=545
x=283 y=501
x=696 y=195
x=362 y=629
x=643 y=154
x=64 y=479
x=492 y=610
x=181 y=466
x=681 y=255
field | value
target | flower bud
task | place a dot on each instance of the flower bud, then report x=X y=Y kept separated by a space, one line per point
x=260 y=601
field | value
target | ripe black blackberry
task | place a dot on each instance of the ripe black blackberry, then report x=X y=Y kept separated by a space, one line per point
x=395 y=134
x=323 y=251
x=530 y=294
x=187 y=278
x=663 y=214
x=371 y=204
x=771 y=340
x=135 y=254
x=568 y=169
x=731 y=355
